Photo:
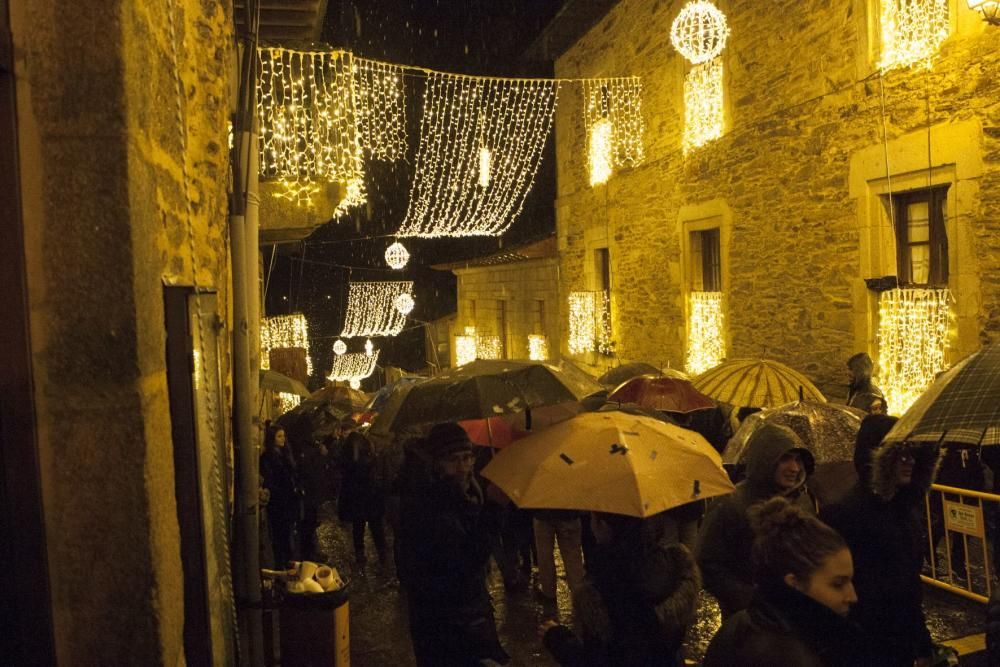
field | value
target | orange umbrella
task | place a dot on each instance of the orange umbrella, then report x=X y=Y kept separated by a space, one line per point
x=492 y=432
x=661 y=393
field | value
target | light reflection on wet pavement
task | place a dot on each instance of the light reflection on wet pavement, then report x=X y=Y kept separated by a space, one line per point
x=380 y=638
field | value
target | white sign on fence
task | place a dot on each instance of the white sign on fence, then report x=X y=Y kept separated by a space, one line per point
x=961 y=518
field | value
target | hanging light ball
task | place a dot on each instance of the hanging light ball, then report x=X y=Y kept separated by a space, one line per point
x=369 y=348
x=355 y=383
x=404 y=303
x=396 y=255
x=339 y=347
x=699 y=32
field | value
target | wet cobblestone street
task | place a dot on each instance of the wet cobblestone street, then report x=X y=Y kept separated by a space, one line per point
x=380 y=636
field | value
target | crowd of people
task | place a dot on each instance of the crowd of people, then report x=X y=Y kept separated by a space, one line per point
x=797 y=584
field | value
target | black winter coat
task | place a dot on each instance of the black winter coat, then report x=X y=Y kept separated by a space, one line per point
x=784 y=628
x=361 y=498
x=884 y=531
x=281 y=481
x=632 y=611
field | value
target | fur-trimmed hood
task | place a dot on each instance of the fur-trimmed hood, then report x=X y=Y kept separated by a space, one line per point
x=926 y=456
x=667 y=580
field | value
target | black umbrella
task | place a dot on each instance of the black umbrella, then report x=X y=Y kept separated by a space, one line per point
x=481 y=389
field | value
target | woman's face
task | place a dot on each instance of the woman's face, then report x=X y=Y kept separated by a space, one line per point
x=832 y=584
x=279 y=438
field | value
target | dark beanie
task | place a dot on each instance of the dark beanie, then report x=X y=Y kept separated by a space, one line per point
x=861 y=364
x=446 y=438
x=873 y=430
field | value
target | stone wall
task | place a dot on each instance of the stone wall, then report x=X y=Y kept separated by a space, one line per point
x=107 y=226
x=802 y=100
x=520 y=285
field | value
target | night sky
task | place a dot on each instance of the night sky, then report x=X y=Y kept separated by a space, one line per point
x=485 y=37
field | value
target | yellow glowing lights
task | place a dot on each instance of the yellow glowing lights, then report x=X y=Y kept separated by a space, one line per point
x=538 y=348
x=485 y=157
x=284 y=331
x=353 y=366
x=404 y=303
x=396 y=256
x=600 y=152
x=381 y=108
x=371 y=308
x=489 y=347
x=706 y=346
x=287 y=402
x=912 y=337
x=461 y=114
x=703 y=112
x=589 y=325
x=699 y=32
x=339 y=347
x=912 y=32
x=369 y=347
x=465 y=347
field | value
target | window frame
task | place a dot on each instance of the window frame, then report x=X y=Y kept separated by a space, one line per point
x=936 y=198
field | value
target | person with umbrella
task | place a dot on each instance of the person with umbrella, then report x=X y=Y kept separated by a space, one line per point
x=636 y=604
x=777 y=465
x=862 y=392
x=447 y=531
x=880 y=520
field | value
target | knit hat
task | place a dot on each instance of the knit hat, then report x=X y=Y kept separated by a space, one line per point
x=861 y=365
x=446 y=438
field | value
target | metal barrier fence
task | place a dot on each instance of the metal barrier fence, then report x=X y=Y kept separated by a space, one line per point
x=963 y=527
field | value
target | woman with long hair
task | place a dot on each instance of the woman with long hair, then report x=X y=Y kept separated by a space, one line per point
x=277 y=468
x=804 y=590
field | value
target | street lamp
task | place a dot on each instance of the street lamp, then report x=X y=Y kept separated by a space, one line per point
x=990 y=9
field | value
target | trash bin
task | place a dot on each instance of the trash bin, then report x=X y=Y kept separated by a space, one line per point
x=315 y=629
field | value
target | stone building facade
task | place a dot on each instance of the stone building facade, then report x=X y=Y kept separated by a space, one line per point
x=796 y=186
x=123 y=175
x=506 y=298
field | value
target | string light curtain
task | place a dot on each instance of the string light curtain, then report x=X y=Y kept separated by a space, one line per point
x=287 y=402
x=704 y=119
x=381 y=108
x=372 y=308
x=489 y=347
x=284 y=331
x=706 y=342
x=538 y=348
x=353 y=367
x=308 y=121
x=465 y=347
x=912 y=32
x=463 y=115
x=912 y=338
x=613 y=122
x=589 y=322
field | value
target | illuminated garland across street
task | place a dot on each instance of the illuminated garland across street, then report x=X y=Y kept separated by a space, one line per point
x=308 y=121
x=463 y=115
x=353 y=366
x=706 y=345
x=619 y=103
x=703 y=112
x=912 y=32
x=912 y=337
x=372 y=309
x=284 y=331
x=381 y=108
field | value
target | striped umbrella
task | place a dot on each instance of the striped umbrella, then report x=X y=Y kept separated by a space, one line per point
x=758 y=383
x=962 y=405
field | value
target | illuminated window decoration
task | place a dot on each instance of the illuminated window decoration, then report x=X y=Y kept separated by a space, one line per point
x=353 y=366
x=339 y=347
x=460 y=115
x=589 y=322
x=912 y=337
x=404 y=303
x=600 y=152
x=381 y=108
x=371 y=308
x=704 y=120
x=912 y=32
x=538 y=348
x=489 y=347
x=396 y=256
x=465 y=347
x=284 y=331
x=485 y=156
x=613 y=120
x=287 y=402
x=706 y=345
x=699 y=32
x=308 y=124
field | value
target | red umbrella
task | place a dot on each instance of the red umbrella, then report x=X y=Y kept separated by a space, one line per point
x=492 y=432
x=662 y=393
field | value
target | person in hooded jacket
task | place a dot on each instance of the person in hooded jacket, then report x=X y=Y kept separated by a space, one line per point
x=881 y=521
x=447 y=531
x=636 y=604
x=777 y=464
x=862 y=392
x=798 y=615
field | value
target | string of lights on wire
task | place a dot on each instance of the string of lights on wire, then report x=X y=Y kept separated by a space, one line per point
x=912 y=32
x=589 y=322
x=381 y=107
x=284 y=331
x=613 y=122
x=699 y=33
x=706 y=346
x=376 y=308
x=481 y=143
x=353 y=367
x=912 y=338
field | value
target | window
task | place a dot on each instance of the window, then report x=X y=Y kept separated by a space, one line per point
x=706 y=261
x=921 y=237
x=603 y=258
x=538 y=317
x=472 y=312
x=502 y=327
